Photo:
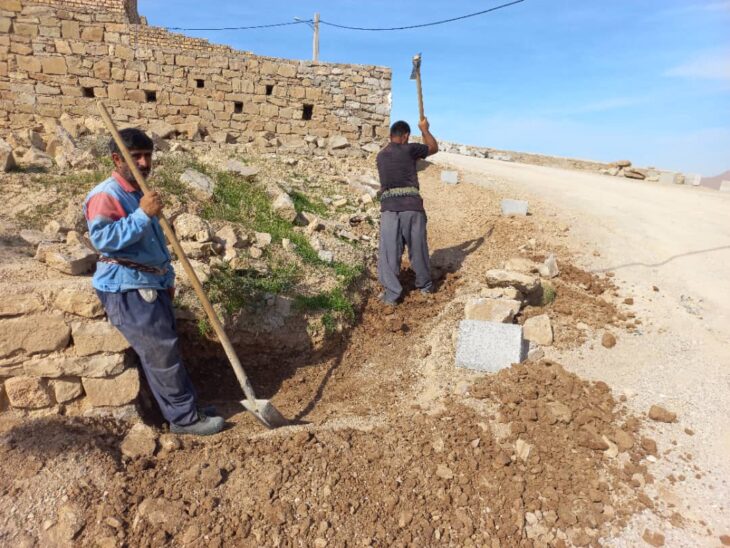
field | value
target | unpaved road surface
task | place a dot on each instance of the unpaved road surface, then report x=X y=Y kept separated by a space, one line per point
x=669 y=248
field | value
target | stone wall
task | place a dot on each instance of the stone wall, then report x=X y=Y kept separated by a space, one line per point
x=58 y=56
x=58 y=354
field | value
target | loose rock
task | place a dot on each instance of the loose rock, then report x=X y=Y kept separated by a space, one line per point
x=539 y=329
x=658 y=413
x=199 y=183
x=493 y=310
x=140 y=441
x=653 y=538
x=505 y=278
x=608 y=340
x=235 y=166
x=69 y=259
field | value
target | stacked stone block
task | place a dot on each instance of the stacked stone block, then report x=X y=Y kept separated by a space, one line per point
x=58 y=354
x=57 y=57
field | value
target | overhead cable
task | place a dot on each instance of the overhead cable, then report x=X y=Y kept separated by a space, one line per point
x=433 y=23
x=347 y=27
x=247 y=28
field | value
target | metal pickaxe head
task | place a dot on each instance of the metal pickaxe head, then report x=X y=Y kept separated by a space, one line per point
x=416 y=66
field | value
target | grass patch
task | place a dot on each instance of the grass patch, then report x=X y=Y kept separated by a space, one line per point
x=304 y=203
x=236 y=290
x=204 y=327
x=348 y=273
x=166 y=176
x=239 y=201
x=548 y=294
x=333 y=301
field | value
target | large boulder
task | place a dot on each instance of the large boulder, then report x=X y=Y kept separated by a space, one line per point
x=67 y=258
x=283 y=206
x=161 y=129
x=37 y=159
x=201 y=185
x=231 y=237
x=16 y=305
x=79 y=301
x=337 y=142
x=28 y=393
x=7 y=159
x=96 y=337
x=507 y=278
x=140 y=441
x=58 y=365
x=549 y=269
x=236 y=166
x=66 y=390
x=492 y=310
x=64 y=150
x=538 y=329
x=114 y=391
x=192 y=227
x=33 y=335
x=522 y=265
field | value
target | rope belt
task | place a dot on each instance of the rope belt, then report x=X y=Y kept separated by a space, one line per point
x=131 y=264
x=400 y=191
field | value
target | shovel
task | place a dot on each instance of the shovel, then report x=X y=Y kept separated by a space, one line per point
x=263 y=410
x=416 y=75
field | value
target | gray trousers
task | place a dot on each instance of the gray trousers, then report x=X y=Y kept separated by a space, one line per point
x=150 y=330
x=399 y=228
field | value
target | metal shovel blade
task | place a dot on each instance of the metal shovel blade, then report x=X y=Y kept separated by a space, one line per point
x=267 y=414
x=416 y=66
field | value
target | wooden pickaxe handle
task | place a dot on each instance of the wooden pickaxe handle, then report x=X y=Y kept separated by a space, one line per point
x=420 y=94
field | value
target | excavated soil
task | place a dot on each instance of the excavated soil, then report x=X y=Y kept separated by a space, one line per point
x=391 y=445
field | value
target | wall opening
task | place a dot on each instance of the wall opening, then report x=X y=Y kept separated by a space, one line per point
x=150 y=96
x=238 y=107
x=199 y=83
x=88 y=93
x=307 y=111
x=269 y=89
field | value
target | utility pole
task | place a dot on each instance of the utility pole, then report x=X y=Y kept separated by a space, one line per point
x=315 y=40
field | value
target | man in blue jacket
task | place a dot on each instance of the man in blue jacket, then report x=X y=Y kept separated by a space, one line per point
x=136 y=283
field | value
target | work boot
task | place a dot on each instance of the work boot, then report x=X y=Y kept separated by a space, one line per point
x=204 y=426
x=208 y=410
x=388 y=304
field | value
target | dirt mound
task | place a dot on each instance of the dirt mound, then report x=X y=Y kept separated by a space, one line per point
x=529 y=460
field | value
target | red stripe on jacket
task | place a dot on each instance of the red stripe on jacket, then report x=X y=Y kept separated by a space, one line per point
x=104 y=205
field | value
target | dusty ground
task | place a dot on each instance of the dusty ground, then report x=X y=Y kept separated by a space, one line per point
x=669 y=248
x=391 y=445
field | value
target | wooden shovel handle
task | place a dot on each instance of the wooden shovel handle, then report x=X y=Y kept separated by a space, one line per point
x=192 y=276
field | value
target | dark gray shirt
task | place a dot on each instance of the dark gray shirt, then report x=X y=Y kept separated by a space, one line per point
x=398 y=176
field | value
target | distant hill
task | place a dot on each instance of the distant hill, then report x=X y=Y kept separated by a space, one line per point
x=714 y=182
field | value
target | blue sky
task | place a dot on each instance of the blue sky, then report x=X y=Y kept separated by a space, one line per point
x=646 y=80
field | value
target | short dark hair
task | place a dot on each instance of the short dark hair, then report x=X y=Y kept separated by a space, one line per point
x=134 y=139
x=400 y=128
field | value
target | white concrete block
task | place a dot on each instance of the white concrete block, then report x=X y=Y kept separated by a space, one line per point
x=489 y=346
x=450 y=177
x=514 y=207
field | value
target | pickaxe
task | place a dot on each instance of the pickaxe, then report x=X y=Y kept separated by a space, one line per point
x=416 y=75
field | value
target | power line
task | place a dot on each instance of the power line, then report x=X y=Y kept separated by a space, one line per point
x=346 y=27
x=247 y=28
x=423 y=24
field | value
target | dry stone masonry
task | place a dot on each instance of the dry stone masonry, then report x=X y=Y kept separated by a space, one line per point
x=58 y=354
x=57 y=56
